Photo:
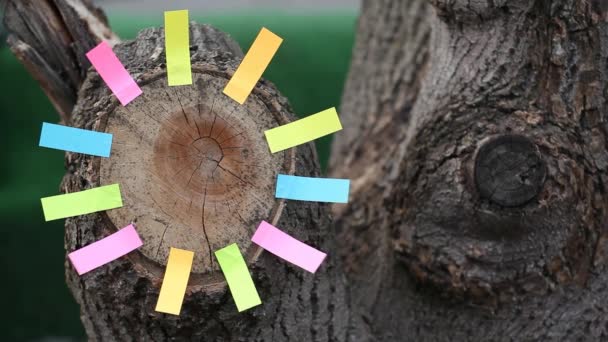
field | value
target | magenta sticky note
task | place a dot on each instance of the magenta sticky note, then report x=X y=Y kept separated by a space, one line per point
x=287 y=248
x=105 y=250
x=114 y=73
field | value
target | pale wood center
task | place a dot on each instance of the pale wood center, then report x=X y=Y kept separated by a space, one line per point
x=194 y=168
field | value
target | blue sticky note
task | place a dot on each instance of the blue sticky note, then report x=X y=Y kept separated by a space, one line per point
x=75 y=140
x=331 y=190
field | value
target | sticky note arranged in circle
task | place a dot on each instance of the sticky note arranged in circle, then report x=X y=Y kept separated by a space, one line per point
x=105 y=250
x=75 y=140
x=304 y=130
x=177 y=48
x=238 y=278
x=330 y=190
x=114 y=73
x=287 y=248
x=81 y=202
x=173 y=290
x=253 y=65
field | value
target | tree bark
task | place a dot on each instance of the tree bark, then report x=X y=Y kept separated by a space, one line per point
x=50 y=38
x=476 y=139
x=483 y=216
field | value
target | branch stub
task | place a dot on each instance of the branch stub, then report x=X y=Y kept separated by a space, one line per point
x=509 y=170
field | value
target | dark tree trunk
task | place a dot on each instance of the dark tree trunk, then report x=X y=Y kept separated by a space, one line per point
x=476 y=139
x=483 y=213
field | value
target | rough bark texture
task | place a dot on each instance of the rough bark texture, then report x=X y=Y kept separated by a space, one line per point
x=385 y=74
x=50 y=38
x=463 y=235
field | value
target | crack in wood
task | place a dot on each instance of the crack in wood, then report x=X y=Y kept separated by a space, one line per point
x=205 y=228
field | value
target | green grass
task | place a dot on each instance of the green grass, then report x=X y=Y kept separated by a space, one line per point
x=309 y=69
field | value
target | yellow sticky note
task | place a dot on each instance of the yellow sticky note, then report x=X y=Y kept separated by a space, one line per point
x=81 y=202
x=304 y=130
x=175 y=281
x=177 y=48
x=253 y=65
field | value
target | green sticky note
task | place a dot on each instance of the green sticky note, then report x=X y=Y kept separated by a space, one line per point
x=304 y=130
x=82 y=202
x=237 y=275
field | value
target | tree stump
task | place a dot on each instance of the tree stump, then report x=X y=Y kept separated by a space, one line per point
x=194 y=166
x=195 y=173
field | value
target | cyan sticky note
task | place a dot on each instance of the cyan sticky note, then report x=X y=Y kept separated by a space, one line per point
x=75 y=140
x=332 y=190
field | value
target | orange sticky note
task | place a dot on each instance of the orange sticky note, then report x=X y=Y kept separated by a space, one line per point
x=175 y=281
x=253 y=65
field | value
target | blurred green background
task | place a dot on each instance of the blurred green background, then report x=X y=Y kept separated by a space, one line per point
x=310 y=69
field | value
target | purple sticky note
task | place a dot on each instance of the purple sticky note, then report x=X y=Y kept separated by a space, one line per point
x=105 y=250
x=287 y=248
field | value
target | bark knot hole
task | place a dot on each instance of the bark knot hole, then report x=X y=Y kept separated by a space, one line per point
x=509 y=170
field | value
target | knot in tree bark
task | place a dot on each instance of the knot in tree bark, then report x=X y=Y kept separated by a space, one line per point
x=509 y=170
x=500 y=216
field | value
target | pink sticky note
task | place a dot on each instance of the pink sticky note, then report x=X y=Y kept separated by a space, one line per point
x=114 y=73
x=286 y=247
x=105 y=250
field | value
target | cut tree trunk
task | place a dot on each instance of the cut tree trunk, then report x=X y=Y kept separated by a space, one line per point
x=483 y=215
x=196 y=173
x=476 y=138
